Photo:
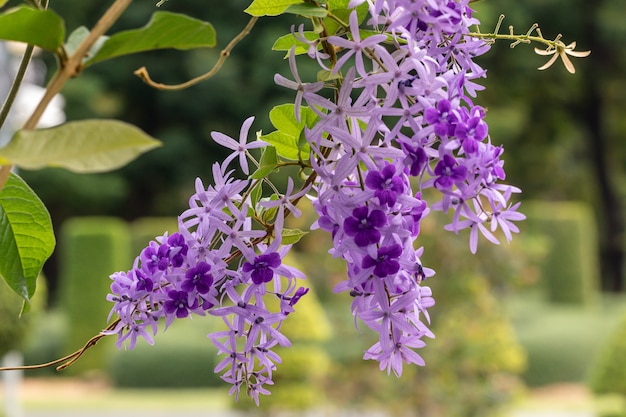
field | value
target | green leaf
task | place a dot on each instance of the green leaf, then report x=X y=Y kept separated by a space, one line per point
x=341 y=11
x=269 y=162
x=291 y=236
x=3 y=2
x=287 y=137
x=165 y=30
x=255 y=195
x=284 y=119
x=285 y=42
x=82 y=146
x=270 y=7
x=42 y=28
x=286 y=145
x=307 y=10
x=26 y=237
x=76 y=38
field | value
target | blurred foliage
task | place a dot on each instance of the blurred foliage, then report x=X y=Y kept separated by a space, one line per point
x=13 y=328
x=608 y=374
x=45 y=343
x=145 y=229
x=92 y=248
x=562 y=133
x=182 y=357
x=561 y=340
x=571 y=266
x=534 y=113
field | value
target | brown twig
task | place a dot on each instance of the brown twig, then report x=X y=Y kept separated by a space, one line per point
x=224 y=54
x=67 y=360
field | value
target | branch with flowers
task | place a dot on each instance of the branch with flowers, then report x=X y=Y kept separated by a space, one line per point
x=390 y=119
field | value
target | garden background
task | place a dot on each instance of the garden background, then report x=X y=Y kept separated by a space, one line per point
x=540 y=311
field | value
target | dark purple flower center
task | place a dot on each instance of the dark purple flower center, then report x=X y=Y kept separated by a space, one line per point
x=262 y=269
x=364 y=225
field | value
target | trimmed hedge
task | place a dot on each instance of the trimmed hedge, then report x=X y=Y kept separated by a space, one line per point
x=608 y=374
x=92 y=248
x=560 y=339
x=570 y=270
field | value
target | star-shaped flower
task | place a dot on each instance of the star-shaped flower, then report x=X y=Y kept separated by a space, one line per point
x=561 y=50
x=240 y=148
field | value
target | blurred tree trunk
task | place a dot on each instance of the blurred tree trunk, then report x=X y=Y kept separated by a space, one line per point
x=591 y=110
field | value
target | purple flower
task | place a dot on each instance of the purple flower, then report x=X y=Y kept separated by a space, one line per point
x=448 y=172
x=386 y=184
x=364 y=225
x=178 y=304
x=262 y=269
x=416 y=159
x=470 y=132
x=297 y=84
x=442 y=118
x=356 y=46
x=386 y=261
x=300 y=292
x=178 y=249
x=156 y=257
x=144 y=283
x=240 y=148
x=198 y=278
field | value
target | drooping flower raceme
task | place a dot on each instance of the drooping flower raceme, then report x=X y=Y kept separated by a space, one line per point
x=401 y=119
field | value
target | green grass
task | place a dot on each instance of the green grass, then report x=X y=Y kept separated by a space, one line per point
x=562 y=340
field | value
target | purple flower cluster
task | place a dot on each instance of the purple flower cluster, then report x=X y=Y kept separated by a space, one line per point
x=403 y=120
x=217 y=264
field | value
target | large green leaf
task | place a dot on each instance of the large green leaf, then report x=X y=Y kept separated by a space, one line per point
x=82 y=146
x=42 y=28
x=270 y=7
x=165 y=30
x=26 y=237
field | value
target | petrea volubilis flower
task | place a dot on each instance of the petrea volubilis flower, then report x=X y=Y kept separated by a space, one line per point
x=392 y=115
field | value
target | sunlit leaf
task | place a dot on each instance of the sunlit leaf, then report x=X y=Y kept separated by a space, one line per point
x=165 y=30
x=291 y=236
x=270 y=7
x=307 y=10
x=82 y=146
x=286 y=139
x=285 y=42
x=26 y=237
x=42 y=28
x=267 y=164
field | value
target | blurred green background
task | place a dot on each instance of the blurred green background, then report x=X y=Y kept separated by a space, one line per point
x=536 y=312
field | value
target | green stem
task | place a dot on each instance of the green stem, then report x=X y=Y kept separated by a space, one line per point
x=17 y=82
x=515 y=38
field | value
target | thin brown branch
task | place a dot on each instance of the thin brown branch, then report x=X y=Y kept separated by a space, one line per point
x=67 y=360
x=224 y=54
